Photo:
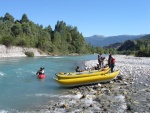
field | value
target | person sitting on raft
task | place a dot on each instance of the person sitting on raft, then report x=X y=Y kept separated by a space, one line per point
x=97 y=67
x=78 y=69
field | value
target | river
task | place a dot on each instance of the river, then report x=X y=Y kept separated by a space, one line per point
x=22 y=91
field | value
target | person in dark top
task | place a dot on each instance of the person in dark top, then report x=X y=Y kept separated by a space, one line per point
x=100 y=60
x=111 y=62
x=78 y=69
x=41 y=71
x=97 y=67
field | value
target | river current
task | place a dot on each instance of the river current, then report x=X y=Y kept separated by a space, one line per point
x=21 y=90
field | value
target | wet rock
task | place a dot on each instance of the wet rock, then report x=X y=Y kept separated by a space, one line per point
x=99 y=85
x=64 y=105
x=145 y=84
x=69 y=110
x=91 y=105
x=119 y=78
x=129 y=107
x=125 y=83
x=83 y=96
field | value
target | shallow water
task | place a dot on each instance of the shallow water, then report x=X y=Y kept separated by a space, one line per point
x=21 y=91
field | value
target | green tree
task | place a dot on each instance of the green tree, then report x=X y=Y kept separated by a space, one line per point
x=24 y=19
x=8 y=17
x=57 y=39
x=1 y=19
x=4 y=29
x=7 y=41
x=62 y=40
x=45 y=41
x=26 y=29
x=142 y=47
x=16 y=29
x=48 y=29
x=60 y=27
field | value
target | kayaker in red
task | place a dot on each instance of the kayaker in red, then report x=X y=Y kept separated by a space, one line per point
x=40 y=73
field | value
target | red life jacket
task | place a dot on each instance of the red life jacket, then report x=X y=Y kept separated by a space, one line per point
x=112 y=60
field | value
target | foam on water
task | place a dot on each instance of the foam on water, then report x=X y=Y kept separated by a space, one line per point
x=1 y=74
x=55 y=57
x=10 y=111
x=72 y=98
x=58 y=96
x=3 y=111
x=45 y=95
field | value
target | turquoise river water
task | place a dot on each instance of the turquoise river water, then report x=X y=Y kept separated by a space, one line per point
x=21 y=91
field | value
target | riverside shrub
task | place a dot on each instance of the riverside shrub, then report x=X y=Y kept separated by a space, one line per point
x=29 y=54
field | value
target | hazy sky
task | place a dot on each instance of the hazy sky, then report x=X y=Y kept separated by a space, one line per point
x=100 y=17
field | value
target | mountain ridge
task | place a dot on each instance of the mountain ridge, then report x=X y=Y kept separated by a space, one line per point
x=101 y=41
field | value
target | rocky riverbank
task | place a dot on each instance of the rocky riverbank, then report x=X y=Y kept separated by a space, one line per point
x=128 y=93
x=14 y=51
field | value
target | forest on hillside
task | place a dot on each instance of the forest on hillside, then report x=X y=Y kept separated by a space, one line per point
x=139 y=47
x=64 y=39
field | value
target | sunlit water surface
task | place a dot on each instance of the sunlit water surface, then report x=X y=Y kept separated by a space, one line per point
x=21 y=90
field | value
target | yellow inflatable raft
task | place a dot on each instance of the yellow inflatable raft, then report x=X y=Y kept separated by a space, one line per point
x=82 y=74
x=87 y=80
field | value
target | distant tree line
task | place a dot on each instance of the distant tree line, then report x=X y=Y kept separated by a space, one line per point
x=140 y=47
x=63 y=40
x=143 y=48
